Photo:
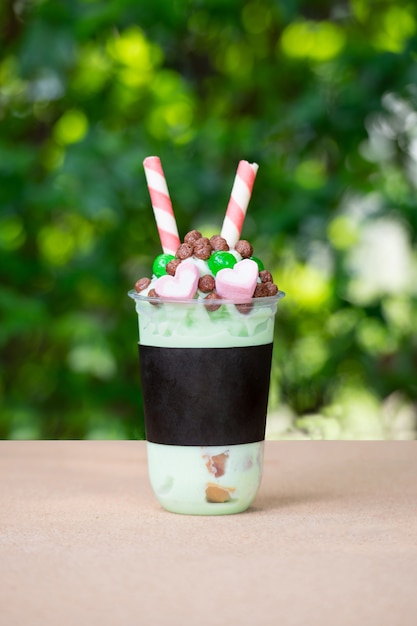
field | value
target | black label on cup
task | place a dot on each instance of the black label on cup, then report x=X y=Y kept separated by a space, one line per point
x=205 y=396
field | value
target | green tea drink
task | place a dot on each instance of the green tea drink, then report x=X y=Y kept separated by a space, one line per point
x=205 y=381
x=206 y=324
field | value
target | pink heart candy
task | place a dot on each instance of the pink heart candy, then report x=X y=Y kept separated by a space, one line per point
x=238 y=283
x=182 y=286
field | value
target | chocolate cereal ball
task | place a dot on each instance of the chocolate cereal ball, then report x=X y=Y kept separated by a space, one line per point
x=206 y=283
x=184 y=251
x=202 y=248
x=212 y=306
x=142 y=284
x=171 y=267
x=261 y=291
x=244 y=248
x=272 y=289
x=265 y=276
x=192 y=236
x=219 y=243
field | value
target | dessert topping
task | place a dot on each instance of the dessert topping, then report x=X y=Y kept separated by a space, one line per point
x=238 y=283
x=219 y=243
x=206 y=283
x=220 y=260
x=192 y=236
x=181 y=286
x=244 y=248
x=142 y=284
x=212 y=306
x=202 y=248
x=184 y=251
x=160 y=263
x=171 y=267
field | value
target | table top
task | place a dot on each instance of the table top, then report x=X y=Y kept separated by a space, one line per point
x=331 y=539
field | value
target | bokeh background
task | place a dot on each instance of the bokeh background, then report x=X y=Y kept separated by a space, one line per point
x=323 y=95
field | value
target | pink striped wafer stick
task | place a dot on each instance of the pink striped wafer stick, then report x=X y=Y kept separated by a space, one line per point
x=162 y=205
x=238 y=203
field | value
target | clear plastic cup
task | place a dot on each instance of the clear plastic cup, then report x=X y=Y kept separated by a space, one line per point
x=205 y=371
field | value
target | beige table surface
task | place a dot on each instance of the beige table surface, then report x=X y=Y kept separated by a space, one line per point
x=331 y=539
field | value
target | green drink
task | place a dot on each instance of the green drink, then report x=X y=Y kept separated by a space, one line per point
x=205 y=381
x=206 y=326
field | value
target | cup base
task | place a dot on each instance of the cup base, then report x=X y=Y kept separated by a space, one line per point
x=205 y=480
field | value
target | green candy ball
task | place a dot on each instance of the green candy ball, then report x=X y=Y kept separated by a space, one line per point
x=220 y=260
x=259 y=262
x=160 y=264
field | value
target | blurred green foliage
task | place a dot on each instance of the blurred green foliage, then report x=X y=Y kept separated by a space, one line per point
x=322 y=95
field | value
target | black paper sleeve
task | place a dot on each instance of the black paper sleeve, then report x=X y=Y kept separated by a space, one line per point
x=205 y=396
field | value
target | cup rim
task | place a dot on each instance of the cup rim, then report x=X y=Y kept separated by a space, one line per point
x=202 y=301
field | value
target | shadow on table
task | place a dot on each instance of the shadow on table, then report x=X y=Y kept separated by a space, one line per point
x=270 y=501
x=323 y=476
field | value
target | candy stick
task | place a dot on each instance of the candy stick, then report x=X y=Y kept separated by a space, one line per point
x=238 y=203
x=161 y=204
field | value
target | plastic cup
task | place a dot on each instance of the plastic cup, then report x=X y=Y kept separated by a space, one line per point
x=205 y=381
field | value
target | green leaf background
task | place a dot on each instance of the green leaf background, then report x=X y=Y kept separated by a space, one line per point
x=322 y=95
